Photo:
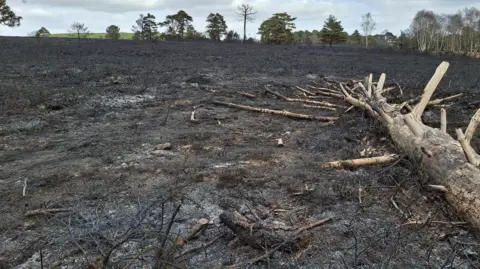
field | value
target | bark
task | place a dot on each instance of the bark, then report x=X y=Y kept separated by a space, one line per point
x=438 y=154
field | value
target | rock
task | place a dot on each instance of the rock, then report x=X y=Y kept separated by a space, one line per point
x=164 y=146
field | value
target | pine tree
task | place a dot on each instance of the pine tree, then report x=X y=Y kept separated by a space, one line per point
x=113 y=32
x=216 y=26
x=332 y=31
x=146 y=28
x=7 y=16
x=177 y=24
x=356 y=38
x=277 y=29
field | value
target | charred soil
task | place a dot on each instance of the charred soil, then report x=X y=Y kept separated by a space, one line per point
x=104 y=130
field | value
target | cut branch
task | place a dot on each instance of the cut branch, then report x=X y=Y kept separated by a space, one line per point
x=361 y=162
x=276 y=112
x=443 y=120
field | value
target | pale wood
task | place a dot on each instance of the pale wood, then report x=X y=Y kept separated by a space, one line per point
x=280 y=142
x=381 y=82
x=472 y=126
x=303 y=90
x=320 y=107
x=429 y=89
x=439 y=101
x=276 y=112
x=446 y=163
x=472 y=157
x=413 y=125
x=360 y=162
x=246 y=94
x=288 y=99
x=443 y=120
x=439 y=188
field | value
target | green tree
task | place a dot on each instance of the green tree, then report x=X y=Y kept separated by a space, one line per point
x=7 y=16
x=42 y=32
x=277 y=29
x=356 y=38
x=113 y=32
x=216 y=26
x=193 y=34
x=177 y=24
x=79 y=30
x=332 y=31
x=232 y=36
x=146 y=28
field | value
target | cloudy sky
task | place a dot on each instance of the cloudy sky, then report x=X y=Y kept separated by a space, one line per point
x=58 y=15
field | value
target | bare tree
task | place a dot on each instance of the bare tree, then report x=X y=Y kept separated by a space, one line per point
x=246 y=14
x=368 y=25
x=79 y=30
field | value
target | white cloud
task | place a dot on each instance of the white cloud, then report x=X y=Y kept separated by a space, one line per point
x=57 y=15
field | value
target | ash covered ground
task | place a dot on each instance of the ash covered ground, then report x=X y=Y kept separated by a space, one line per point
x=85 y=126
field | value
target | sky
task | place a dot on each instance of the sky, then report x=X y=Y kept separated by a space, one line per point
x=97 y=15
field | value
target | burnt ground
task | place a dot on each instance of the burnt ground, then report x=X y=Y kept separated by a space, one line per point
x=82 y=124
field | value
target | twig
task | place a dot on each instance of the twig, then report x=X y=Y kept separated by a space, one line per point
x=24 y=187
x=305 y=91
x=198 y=247
x=443 y=120
x=301 y=100
x=291 y=238
x=276 y=112
x=439 y=188
x=320 y=107
x=398 y=208
x=438 y=101
x=44 y=211
x=249 y=95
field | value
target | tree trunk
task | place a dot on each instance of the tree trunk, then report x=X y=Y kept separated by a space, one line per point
x=448 y=162
x=245 y=28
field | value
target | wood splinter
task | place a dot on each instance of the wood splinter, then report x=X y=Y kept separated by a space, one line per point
x=361 y=162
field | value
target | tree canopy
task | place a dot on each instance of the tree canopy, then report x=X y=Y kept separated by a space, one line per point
x=7 y=16
x=177 y=24
x=146 y=28
x=277 y=29
x=113 y=32
x=332 y=31
x=216 y=26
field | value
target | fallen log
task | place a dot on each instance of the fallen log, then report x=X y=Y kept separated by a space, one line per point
x=276 y=112
x=448 y=162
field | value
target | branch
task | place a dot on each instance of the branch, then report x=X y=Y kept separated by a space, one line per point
x=301 y=100
x=443 y=120
x=361 y=162
x=472 y=126
x=429 y=89
x=276 y=112
x=472 y=157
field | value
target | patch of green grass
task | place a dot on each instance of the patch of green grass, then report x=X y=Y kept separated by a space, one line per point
x=92 y=35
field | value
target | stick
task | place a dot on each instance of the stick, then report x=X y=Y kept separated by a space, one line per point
x=381 y=82
x=443 y=120
x=472 y=126
x=438 y=101
x=429 y=89
x=305 y=91
x=439 y=188
x=301 y=100
x=320 y=107
x=355 y=102
x=249 y=95
x=361 y=162
x=43 y=211
x=276 y=112
x=413 y=124
x=271 y=251
x=323 y=89
x=24 y=187
x=348 y=109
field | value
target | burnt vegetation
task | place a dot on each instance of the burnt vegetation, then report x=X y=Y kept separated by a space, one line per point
x=138 y=154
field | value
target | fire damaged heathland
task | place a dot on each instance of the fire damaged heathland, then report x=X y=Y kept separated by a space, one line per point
x=125 y=154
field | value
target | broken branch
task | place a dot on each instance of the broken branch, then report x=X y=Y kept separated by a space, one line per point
x=361 y=162
x=276 y=112
x=429 y=89
x=44 y=211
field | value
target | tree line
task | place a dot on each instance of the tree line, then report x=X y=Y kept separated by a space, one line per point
x=457 y=32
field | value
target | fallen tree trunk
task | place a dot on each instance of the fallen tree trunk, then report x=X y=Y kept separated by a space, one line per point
x=447 y=161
